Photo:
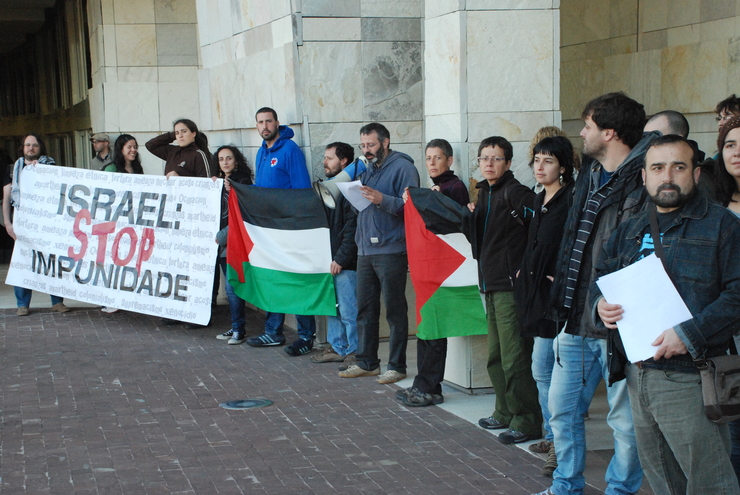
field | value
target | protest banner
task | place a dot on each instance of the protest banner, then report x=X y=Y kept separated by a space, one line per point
x=136 y=242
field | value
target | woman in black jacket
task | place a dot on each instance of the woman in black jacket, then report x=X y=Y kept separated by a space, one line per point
x=553 y=168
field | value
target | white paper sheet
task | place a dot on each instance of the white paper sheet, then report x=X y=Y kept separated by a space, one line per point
x=351 y=191
x=650 y=301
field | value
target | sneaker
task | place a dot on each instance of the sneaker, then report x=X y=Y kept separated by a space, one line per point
x=299 y=347
x=23 y=311
x=349 y=361
x=551 y=464
x=417 y=398
x=265 y=340
x=109 y=310
x=225 y=335
x=236 y=339
x=542 y=447
x=329 y=355
x=391 y=376
x=546 y=492
x=60 y=308
x=403 y=393
x=354 y=371
x=491 y=423
x=512 y=436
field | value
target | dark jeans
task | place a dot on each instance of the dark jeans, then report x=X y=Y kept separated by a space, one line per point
x=735 y=442
x=386 y=274
x=306 y=326
x=430 y=361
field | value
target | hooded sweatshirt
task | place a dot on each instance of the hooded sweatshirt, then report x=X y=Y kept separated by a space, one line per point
x=282 y=166
x=380 y=227
x=187 y=161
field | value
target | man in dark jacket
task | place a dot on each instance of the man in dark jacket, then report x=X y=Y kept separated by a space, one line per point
x=382 y=264
x=502 y=214
x=608 y=191
x=341 y=329
x=680 y=449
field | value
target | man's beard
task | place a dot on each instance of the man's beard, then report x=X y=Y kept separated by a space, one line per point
x=378 y=158
x=595 y=152
x=271 y=136
x=33 y=157
x=674 y=199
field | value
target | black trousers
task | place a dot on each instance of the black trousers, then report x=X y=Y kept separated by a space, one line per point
x=430 y=361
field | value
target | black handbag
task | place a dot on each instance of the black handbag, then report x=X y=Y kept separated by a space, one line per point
x=720 y=375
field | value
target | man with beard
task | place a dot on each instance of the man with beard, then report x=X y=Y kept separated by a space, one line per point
x=281 y=165
x=680 y=450
x=32 y=152
x=381 y=262
x=608 y=191
x=341 y=330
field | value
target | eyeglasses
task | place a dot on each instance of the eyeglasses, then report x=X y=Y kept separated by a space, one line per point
x=723 y=118
x=364 y=146
x=488 y=159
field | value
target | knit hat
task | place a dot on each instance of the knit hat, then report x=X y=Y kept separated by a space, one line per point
x=725 y=129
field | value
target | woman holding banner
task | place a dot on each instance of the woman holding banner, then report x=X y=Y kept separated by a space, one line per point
x=233 y=168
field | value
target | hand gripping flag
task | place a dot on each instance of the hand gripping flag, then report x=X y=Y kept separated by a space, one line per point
x=278 y=250
x=442 y=268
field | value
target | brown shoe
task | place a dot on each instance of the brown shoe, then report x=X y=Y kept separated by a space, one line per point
x=23 y=311
x=328 y=356
x=552 y=463
x=60 y=308
x=349 y=361
x=542 y=447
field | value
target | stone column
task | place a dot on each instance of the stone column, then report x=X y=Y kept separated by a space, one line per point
x=490 y=68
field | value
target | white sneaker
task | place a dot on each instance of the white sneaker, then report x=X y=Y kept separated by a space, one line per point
x=106 y=309
x=391 y=376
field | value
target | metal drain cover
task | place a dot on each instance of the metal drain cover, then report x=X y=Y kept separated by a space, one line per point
x=246 y=404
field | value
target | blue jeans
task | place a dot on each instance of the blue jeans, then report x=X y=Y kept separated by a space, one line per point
x=236 y=303
x=681 y=450
x=386 y=274
x=582 y=366
x=543 y=359
x=23 y=297
x=274 y=326
x=342 y=329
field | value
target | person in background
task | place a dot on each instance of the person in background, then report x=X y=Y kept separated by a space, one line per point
x=431 y=354
x=233 y=168
x=103 y=156
x=553 y=168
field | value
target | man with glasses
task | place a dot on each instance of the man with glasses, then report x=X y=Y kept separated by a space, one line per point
x=726 y=109
x=502 y=216
x=382 y=263
x=101 y=145
x=33 y=151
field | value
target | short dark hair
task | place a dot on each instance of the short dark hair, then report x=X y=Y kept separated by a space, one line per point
x=342 y=150
x=378 y=129
x=673 y=139
x=266 y=110
x=619 y=112
x=730 y=104
x=499 y=141
x=120 y=161
x=677 y=123
x=42 y=146
x=562 y=149
x=442 y=144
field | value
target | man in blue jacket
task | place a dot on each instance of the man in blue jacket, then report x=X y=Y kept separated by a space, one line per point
x=281 y=165
x=680 y=450
x=381 y=262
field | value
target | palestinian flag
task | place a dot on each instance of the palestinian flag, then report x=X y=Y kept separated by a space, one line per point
x=442 y=268
x=279 y=250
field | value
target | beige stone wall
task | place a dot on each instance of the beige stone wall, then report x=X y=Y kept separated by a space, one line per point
x=145 y=59
x=667 y=54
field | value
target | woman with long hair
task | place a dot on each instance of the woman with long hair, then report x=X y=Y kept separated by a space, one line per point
x=125 y=156
x=189 y=157
x=553 y=166
x=233 y=167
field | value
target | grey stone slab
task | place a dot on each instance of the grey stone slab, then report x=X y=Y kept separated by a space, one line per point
x=392 y=80
x=391 y=29
x=331 y=8
x=177 y=44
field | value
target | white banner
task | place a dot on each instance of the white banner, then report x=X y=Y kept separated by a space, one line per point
x=136 y=242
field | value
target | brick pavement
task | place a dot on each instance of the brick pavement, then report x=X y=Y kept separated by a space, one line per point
x=95 y=403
